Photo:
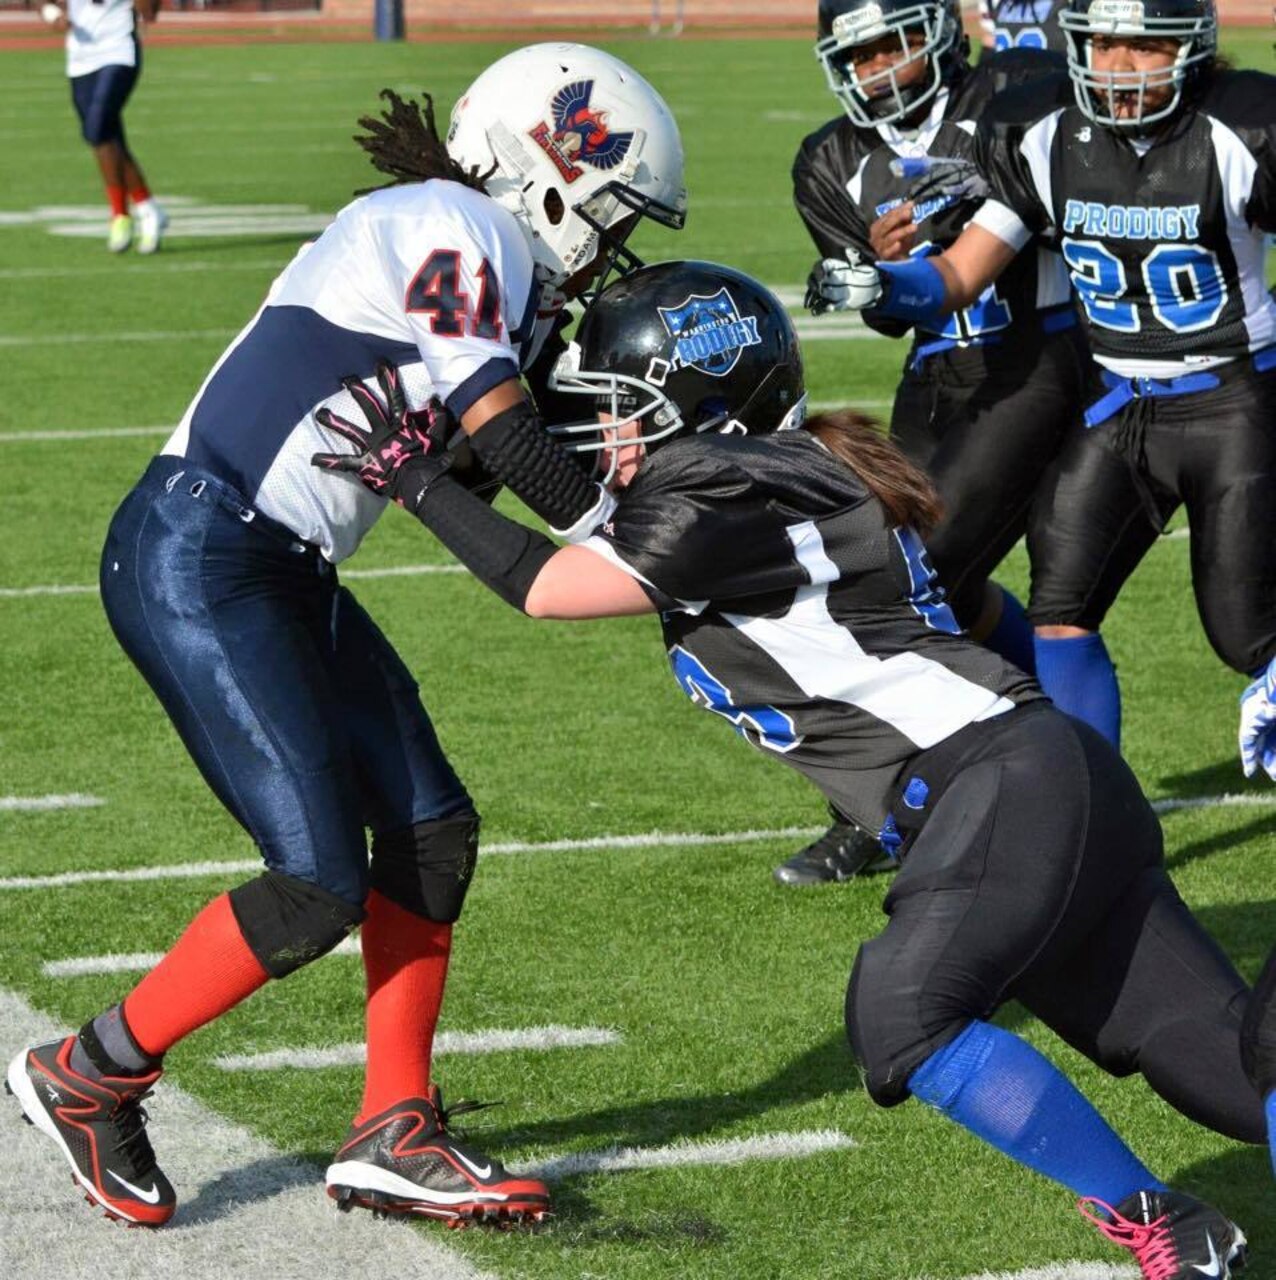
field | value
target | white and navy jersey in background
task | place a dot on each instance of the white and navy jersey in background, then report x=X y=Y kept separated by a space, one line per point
x=1023 y=24
x=434 y=277
x=793 y=610
x=842 y=183
x=1165 y=241
x=102 y=33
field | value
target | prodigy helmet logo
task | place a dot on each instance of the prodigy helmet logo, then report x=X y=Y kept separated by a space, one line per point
x=709 y=332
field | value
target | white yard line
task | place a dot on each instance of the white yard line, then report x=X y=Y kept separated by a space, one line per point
x=773 y=1146
x=131 y=961
x=1065 y=1271
x=108 y=335
x=84 y=433
x=90 y=589
x=652 y=840
x=495 y=1040
x=42 y=804
x=192 y=870
x=246 y=1208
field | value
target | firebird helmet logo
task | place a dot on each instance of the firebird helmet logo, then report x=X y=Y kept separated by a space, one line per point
x=709 y=332
x=580 y=134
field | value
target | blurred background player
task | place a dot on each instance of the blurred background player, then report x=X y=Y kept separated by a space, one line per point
x=219 y=580
x=988 y=395
x=1156 y=170
x=1021 y=24
x=784 y=559
x=104 y=62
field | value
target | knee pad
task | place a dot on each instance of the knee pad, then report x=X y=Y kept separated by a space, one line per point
x=1258 y=1031
x=288 y=922
x=427 y=868
x=890 y=1034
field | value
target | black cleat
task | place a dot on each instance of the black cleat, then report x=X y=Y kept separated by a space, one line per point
x=1172 y=1236
x=100 y=1127
x=842 y=852
x=405 y=1161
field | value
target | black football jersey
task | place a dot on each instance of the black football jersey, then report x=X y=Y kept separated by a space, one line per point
x=1164 y=242
x=791 y=608
x=842 y=183
x=1023 y=24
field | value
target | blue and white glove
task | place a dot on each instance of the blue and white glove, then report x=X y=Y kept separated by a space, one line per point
x=1258 y=724
x=842 y=284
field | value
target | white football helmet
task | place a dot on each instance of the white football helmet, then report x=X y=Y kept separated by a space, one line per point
x=576 y=142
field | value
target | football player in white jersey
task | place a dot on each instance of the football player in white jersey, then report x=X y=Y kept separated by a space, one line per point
x=219 y=578
x=103 y=63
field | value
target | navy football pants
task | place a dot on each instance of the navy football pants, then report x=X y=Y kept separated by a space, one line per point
x=297 y=710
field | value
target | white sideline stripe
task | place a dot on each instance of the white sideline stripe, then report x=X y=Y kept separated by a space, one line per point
x=90 y=589
x=41 y=804
x=497 y=1040
x=1065 y=1271
x=245 y=1207
x=192 y=870
x=128 y=961
x=773 y=1146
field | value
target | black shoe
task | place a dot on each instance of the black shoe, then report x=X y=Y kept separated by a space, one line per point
x=99 y=1126
x=841 y=852
x=1172 y=1236
x=405 y=1161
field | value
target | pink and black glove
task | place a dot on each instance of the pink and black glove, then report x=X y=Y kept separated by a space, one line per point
x=401 y=452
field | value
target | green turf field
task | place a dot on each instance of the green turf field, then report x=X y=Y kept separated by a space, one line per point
x=726 y=990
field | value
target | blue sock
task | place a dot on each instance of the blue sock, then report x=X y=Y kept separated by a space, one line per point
x=1078 y=675
x=1002 y=1090
x=1271 y=1126
x=1012 y=637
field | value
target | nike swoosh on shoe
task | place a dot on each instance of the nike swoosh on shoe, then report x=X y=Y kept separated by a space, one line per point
x=152 y=1196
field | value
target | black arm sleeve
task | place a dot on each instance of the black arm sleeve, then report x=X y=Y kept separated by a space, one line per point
x=514 y=447
x=501 y=553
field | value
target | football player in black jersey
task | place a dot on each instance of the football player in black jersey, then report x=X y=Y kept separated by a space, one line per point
x=987 y=394
x=1155 y=169
x=784 y=558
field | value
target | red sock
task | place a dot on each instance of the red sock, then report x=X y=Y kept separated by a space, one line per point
x=142 y=193
x=210 y=969
x=115 y=198
x=405 y=958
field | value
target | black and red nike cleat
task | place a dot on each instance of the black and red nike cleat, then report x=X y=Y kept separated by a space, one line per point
x=99 y=1126
x=404 y=1160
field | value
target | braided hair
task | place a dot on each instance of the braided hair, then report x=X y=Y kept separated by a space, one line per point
x=404 y=142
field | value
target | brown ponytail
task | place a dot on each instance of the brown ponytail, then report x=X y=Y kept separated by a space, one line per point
x=902 y=488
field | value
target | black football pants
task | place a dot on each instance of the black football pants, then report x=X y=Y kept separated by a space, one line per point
x=985 y=423
x=1034 y=871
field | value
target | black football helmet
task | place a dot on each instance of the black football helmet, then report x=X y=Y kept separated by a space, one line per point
x=1193 y=23
x=682 y=348
x=880 y=99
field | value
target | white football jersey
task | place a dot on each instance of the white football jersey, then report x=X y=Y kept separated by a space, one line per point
x=435 y=277
x=103 y=33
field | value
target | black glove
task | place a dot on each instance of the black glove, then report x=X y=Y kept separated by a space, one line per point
x=402 y=452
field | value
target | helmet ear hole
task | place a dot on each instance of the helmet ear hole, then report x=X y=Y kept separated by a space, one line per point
x=555 y=209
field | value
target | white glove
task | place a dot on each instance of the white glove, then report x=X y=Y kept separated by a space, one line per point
x=842 y=284
x=1258 y=724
